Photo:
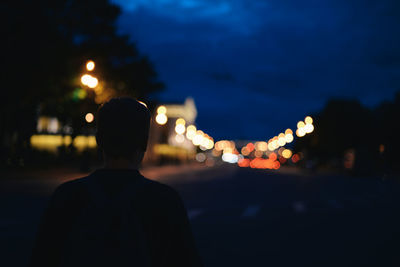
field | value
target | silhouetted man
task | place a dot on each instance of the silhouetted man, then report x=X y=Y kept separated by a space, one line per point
x=115 y=216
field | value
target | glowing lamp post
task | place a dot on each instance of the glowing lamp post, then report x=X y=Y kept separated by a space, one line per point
x=89 y=117
x=90 y=65
x=161 y=117
x=180 y=126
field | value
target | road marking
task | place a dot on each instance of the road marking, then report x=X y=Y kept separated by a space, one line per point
x=251 y=211
x=192 y=214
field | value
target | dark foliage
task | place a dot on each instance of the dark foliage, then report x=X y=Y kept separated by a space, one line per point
x=45 y=45
x=345 y=125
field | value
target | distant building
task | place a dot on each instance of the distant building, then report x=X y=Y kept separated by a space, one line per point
x=48 y=125
x=165 y=143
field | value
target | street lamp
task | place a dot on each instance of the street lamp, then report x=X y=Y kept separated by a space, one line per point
x=89 y=81
x=90 y=65
x=93 y=82
x=85 y=79
x=161 y=118
x=89 y=117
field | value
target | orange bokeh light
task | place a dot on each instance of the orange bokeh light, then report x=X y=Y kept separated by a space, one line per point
x=273 y=156
x=295 y=158
x=244 y=163
x=250 y=147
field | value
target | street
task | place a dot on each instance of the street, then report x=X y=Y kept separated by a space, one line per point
x=246 y=217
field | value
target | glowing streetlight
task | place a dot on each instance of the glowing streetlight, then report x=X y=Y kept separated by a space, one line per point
x=281 y=139
x=89 y=117
x=261 y=146
x=308 y=120
x=89 y=81
x=205 y=143
x=90 y=65
x=309 y=128
x=289 y=138
x=210 y=144
x=287 y=153
x=300 y=124
x=180 y=121
x=179 y=138
x=93 y=82
x=161 y=110
x=288 y=131
x=271 y=146
x=245 y=151
x=85 y=79
x=300 y=132
x=161 y=118
x=198 y=138
x=191 y=132
x=180 y=129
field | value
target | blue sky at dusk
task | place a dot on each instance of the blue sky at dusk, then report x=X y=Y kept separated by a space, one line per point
x=256 y=67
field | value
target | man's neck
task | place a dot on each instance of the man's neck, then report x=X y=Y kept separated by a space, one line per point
x=120 y=164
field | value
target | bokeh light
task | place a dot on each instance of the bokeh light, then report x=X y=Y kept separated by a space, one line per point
x=309 y=128
x=288 y=131
x=273 y=156
x=201 y=157
x=198 y=138
x=258 y=153
x=300 y=132
x=300 y=124
x=287 y=153
x=250 y=147
x=244 y=163
x=89 y=117
x=308 y=120
x=85 y=79
x=180 y=129
x=295 y=158
x=191 y=132
x=180 y=121
x=289 y=138
x=90 y=65
x=179 y=138
x=261 y=146
x=161 y=110
x=281 y=140
x=93 y=82
x=245 y=151
x=161 y=118
x=230 y=158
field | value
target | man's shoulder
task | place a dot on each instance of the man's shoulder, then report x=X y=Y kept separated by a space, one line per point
x=72 y=185
x=70 y=188
x=151 y=189
x=160 y=189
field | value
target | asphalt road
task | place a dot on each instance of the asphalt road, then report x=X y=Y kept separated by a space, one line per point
x=244 y=217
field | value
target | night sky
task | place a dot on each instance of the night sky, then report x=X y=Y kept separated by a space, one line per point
x=256 y=67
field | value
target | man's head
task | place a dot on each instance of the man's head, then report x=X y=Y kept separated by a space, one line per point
x=123 y=128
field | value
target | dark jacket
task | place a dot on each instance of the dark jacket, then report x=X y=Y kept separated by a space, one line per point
x=159 y=208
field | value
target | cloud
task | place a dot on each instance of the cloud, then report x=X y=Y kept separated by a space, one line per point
x=245 y=57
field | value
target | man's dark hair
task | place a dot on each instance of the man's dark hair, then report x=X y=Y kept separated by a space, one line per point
x=122 y=127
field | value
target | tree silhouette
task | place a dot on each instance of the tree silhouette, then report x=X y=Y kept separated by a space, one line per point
x=346 y=124
x=340 y=126
x=389 y=128
x=45 y=46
